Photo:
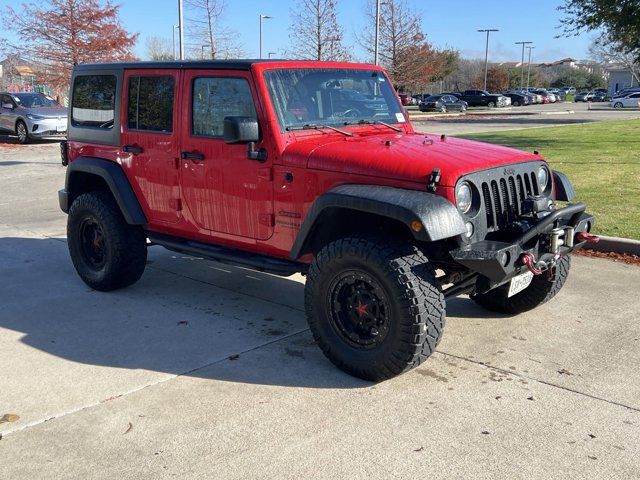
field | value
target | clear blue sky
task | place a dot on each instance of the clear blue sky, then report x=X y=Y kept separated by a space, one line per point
x=447 y=23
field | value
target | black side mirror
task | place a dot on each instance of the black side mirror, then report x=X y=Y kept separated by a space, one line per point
x=244 y=130
x=241 y=130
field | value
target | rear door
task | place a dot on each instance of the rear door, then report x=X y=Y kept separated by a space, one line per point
x=150 y=140
x=7 y=115
x=224 y=191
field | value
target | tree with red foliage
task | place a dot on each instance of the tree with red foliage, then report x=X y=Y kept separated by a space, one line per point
x=63 y=33
x=497 y=80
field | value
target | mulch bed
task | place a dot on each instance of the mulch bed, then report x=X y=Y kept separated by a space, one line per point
x=616 y=257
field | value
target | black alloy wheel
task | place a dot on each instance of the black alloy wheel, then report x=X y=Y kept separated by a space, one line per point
x=359 y=309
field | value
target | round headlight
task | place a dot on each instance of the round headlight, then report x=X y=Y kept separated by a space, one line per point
x=463 y=197
x=543 y=178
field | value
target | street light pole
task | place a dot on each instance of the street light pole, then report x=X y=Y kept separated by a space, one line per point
x=266 y=17
x=173 y=36
x=375 y=48
x=522 y=63
x=181 y=27
x=486 y=53
x=529 y=68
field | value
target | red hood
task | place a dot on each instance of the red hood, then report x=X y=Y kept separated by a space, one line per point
x=408 y=157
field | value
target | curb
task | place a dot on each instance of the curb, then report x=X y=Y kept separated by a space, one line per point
x=616 y=245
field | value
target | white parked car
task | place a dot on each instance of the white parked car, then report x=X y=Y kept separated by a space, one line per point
x=631 y=100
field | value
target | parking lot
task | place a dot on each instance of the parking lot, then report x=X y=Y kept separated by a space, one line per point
x=209 y=371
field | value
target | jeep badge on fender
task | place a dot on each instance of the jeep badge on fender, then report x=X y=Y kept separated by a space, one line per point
x=311 y=167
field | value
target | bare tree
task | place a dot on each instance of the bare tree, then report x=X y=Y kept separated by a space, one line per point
x=206 y=33
x=606 y=50
x=400 y=32
x=159 y=48
x=315 y=32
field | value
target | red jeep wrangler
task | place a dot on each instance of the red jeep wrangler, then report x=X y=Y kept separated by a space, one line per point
x=311 y=167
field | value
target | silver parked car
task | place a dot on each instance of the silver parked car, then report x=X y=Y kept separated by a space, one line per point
x=32 y=115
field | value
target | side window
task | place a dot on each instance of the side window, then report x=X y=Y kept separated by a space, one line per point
x=215 y=98
x=150 y=104
x=93 y=102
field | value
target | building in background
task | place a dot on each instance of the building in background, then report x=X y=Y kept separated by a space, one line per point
x=620 y=77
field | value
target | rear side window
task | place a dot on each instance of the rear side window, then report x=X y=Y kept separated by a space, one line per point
x=150 y=105
x=93 y=102
x=216 y=98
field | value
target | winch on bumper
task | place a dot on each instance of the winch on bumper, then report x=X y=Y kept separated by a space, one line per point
x=517 y=227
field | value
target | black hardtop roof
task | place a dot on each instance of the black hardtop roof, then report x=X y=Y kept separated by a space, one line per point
x=236 y=64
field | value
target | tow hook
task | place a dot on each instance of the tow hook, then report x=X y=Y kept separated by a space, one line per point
x=537 y=267
x=587 y=237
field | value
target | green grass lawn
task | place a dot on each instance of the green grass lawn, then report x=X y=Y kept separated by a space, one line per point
x=601 y=159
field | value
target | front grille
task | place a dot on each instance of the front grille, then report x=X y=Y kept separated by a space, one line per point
x=502 y=197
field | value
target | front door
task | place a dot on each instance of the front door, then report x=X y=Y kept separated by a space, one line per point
x=223 y=190
x=150 y=140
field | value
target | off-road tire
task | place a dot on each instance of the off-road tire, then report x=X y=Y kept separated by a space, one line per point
x=541 y=290
x=124 y=246
x=416 y=305
x=22 y=132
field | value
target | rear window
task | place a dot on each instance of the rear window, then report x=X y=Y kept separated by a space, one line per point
x=150 y=105
x=93 y=102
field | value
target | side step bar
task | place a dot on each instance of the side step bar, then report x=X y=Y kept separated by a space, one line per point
x=227 y=255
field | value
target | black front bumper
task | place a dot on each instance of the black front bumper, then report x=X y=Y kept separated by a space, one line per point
x=556 y=234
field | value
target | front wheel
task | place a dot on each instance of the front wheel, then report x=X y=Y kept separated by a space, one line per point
x=22 y=132
x=618 y=105
x=373 y=306
x=541 y=289
x=491 y=105
x=106 y=252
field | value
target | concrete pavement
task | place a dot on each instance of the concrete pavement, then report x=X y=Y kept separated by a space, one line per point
x=202 y=370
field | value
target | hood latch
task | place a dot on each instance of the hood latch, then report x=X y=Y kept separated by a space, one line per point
x=434 y=178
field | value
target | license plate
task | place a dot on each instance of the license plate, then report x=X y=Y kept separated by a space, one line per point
x=519 y=283
x=61 y=128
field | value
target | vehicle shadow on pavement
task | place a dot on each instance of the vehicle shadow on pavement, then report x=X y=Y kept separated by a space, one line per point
x=185 y=316
x=199 y=322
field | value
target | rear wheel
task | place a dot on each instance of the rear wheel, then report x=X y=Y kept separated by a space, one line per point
x=22 y=132
x=542 y=289
x=516 y=104
x=106 y=252
x=373 y=306
x=443 y=109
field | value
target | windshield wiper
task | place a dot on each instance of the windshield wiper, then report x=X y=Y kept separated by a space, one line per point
x=317 y=126
x=374 y=122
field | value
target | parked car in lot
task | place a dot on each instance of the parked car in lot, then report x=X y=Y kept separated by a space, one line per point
x=600 y=96
x=630 y=100
x=31 y=115
x=518 y=99
x=266 y=165
x=407 y=99
x=547 y=97
x=482 y=98
x=626 y=91
x=442 y=103
x=561 y=96
x=583 y=97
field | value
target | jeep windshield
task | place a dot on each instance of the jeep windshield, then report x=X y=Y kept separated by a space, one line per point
x=318 y=97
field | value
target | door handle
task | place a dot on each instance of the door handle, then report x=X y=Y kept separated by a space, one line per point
x=135 y=149
x=191 y=156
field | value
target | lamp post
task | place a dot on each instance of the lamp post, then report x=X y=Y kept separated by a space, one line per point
x=486 y=53
x=529 y=67
x=522 y=63
x=375 y=48
x=181 y=27
x=266 y=17
x=173 y=36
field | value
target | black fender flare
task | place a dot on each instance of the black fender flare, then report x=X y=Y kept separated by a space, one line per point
x=439 y=217
x=564 y=188
x=115 y=178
